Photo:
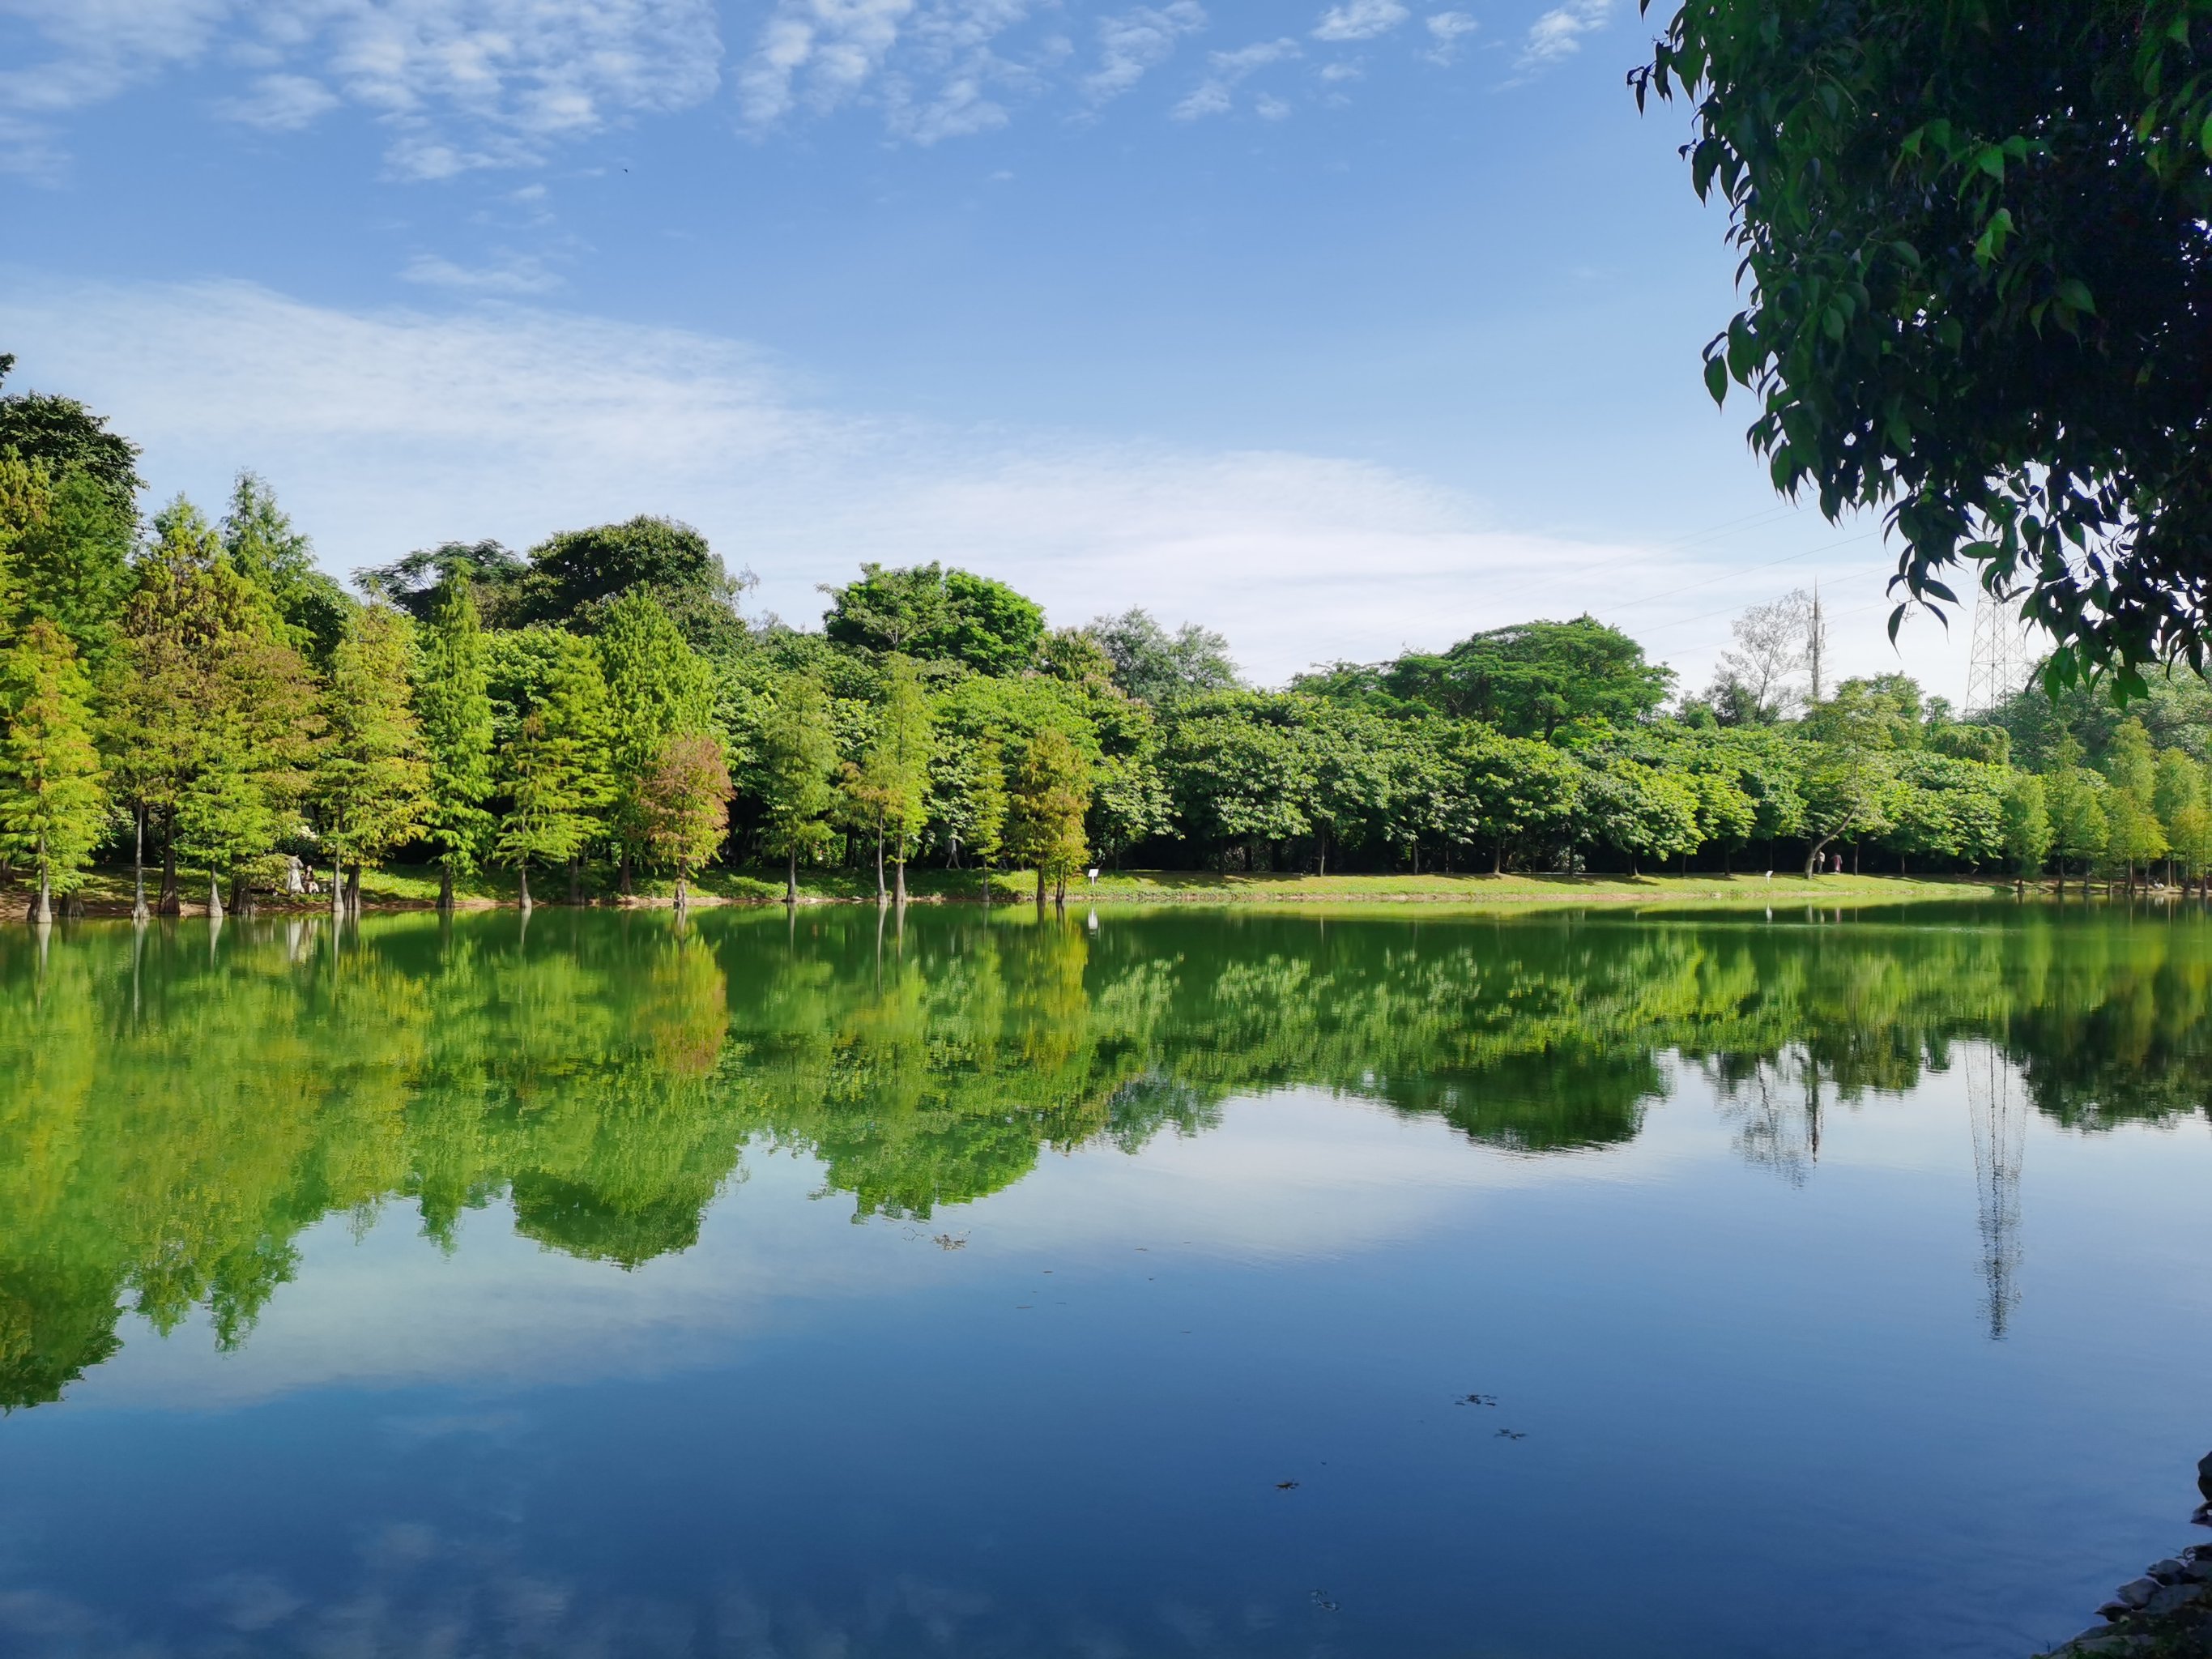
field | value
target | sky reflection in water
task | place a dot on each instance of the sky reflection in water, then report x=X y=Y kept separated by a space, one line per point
x=1212 y=1283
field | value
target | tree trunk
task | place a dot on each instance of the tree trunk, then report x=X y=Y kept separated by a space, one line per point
x=170 y=903
x=623 y=881
x=337 y=889
x=353 y=887
x=576 y=880
x=1040 y=887
x=242 y=893
x=138 y=866
x=879 y=857
x=215 y=897
x=42 y=904
x=522 y=883
x=445 y=887
x=900 y=867
x=791 y=877
x=682 y=898
x=1497 y=857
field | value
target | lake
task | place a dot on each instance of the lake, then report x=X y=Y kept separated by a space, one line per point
x=1214 y=1282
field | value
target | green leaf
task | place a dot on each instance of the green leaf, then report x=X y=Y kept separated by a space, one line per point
x=2076 y=293
x=1716 y=378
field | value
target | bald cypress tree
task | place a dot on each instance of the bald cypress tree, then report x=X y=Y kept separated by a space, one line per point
x=52 y=801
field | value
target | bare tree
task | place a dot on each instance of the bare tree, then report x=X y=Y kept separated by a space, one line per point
x=1756 y=682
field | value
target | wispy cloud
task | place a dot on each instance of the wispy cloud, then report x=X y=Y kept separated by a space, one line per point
x=76 y=53
x=281 y=103
x=1132 y=44
x=389 y=430
x=1360 y=20
x=1447 y=29
x=1558 y=33
x=514 y=274
x=820 y=52
x=1216 y=93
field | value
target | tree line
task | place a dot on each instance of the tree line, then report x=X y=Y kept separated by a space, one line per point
x=196 y=697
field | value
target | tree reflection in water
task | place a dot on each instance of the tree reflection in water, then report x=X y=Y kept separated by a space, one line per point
x=180 y=1109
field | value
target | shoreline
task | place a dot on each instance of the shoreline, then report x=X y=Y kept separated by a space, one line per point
x=400 y=890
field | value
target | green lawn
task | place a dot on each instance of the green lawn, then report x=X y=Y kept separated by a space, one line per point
x=108 y=891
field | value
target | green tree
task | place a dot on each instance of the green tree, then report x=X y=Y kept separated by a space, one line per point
x=266 y=548
x=889 y=787
x=1160 y=668
x=686 y=799
x=372 y=786
x=2078 y=828
x=556 y=769
x=2180 y=787
x=453 y=707
x=574 y=578
x=1516 y=791
x=794 y=764
x=1534 y=678
x=64 y=436
x=987 y=808
x=2134 y=837
x=657 y=687
x=1046 y=806
x=65 y=546
x=928 y=612
x=1850 y=783
x=1638 y=809
x=52 y=804
x=1972 y=238
x=2026 y=823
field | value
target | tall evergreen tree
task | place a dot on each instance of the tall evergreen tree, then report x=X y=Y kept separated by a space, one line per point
x=558 y=783
x=52 y=804
x=266 y=548
x=657 y=687
x=2078 y=827
x=1051 y=794
x=796 y=761
x=372 y=784
x=2026 y=823
x=889 y=787
x=454 y=709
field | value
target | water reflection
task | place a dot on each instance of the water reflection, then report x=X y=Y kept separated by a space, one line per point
x=185 y=1101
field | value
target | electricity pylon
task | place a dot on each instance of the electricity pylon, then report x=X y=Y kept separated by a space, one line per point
x=2001 y=660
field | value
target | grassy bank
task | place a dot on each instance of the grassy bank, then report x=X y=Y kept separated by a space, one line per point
x=108 y=891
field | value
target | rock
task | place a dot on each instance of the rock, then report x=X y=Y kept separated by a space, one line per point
x=2172 y=1599
x=2204 y=1476
x=2105 y=1641
x=2137 y=1592
x=2167 y=1571
x=2202 y=1516
x=2114 y=1610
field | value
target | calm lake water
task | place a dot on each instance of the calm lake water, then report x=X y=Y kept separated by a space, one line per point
x=1210 y=1282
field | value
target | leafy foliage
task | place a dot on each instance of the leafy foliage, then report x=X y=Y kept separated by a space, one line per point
x=1973 y=236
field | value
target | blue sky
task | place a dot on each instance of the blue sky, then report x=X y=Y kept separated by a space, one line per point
x=1338 y=327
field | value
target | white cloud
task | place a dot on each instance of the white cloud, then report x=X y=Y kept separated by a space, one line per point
x=1216 y=94
x=1360 y=20
x=281 y=103
x=390 y=430
x=1558 y=33
x=818 y=50
x=1270 y=108
x=1131 y=43
x=1336 y=72
x=1447 y=29
x=465 y=83
x=515 y=275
